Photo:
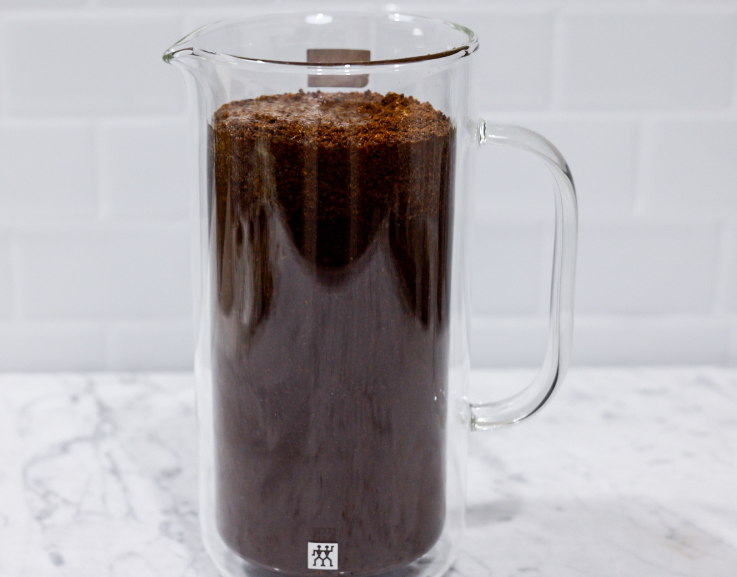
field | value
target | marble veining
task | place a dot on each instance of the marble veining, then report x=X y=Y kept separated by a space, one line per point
x=627 y=472
x=99 y=477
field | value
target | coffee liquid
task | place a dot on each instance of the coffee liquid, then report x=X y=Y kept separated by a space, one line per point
x=332 y=225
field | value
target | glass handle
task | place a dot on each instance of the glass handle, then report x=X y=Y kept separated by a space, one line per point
x=525 y=403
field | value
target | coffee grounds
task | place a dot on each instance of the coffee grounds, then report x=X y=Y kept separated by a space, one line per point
x=330 y=326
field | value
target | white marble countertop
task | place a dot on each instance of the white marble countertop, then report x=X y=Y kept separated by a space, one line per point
x=627 y=472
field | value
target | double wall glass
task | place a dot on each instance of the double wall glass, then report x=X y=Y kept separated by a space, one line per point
x=336 y=157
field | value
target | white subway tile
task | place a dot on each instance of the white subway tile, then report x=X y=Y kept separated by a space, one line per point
x=43 y=347
x=696 y=3
x=145 y=170
x=511 y=182
x=521 y=341
x=134 y=273
x=6 y=281
x=88 y=64
x=423 y=7
x=647 y=268
x=492 y=384
x=512 y=67
x=198 y=13
x=199 y=16
x=267 y=6
x=650 y=341
x=41 y=3
x=506 y=263
x=530 y=6
x=602 y=158
x=508 y=341
x=648 y=60
x=47 y=172
x=152 y=346
x=261 y=5
x=691 y=167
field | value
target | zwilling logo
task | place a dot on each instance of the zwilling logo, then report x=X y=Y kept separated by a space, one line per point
x=322 y=556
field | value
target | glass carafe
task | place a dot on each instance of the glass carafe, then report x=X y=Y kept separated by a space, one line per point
x=332 y=361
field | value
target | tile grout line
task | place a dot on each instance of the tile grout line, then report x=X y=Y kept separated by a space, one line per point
x=87 y=226
x=4 y=54
x=91 y=10
x=733 y=108
x=652 y=7
x=545 y=273
x=97 y=172
x=725 y=258
x=16 y=317
x=619 y=115
x=64 y=118
x=557 y=61
x=721 y=284
x=732 y=351
x=641 y=173
x=107 y=332
x=637 y=171
x=730 y=272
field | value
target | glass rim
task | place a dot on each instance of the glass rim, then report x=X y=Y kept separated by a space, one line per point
x=186 y=46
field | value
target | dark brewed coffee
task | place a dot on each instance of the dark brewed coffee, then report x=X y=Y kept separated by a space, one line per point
x=332 y=226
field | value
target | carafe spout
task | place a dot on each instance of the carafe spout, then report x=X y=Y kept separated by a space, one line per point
x=182 y=52
x=173 y=55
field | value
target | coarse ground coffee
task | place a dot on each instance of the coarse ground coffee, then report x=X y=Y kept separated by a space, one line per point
x=332 y=227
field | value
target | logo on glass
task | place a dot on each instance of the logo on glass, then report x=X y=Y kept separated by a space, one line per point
x=322 y=556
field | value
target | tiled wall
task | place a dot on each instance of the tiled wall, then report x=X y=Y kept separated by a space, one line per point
x=640 y=96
